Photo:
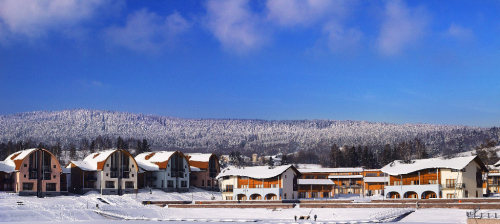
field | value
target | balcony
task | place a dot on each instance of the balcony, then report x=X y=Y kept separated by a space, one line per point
x=90 y=178
x=453 y=186
x=46 y=169
x=33 y=169
x=227 y=190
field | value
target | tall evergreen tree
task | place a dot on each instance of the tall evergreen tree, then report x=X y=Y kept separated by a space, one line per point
x=145 y=146
x=138 y=148
x=119 y=143
x=72 y=152
x=335 y=156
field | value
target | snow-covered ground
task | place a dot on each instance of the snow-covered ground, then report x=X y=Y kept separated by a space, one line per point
x=80 y=209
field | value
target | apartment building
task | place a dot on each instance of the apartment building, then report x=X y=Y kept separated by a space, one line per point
x=259 y=183
x=204 y=168
x=165 y=170
x=31 y=172
x=314 y=183
x=110 y=172
x=374 y=181
x=492 y=183
x=459 y=177
x=347 y=180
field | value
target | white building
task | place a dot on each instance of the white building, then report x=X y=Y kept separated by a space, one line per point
x=166 y=170
x=459 y=177
x=259 y=183
x=111 y=171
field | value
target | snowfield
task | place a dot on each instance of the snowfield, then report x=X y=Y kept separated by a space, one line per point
x=81 y=209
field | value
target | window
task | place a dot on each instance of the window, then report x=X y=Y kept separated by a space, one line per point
x=450 y=183
x=132 y=175
x=432 y=181
x=170 y=183
x=24 y=175
x=229 y=188
x=27 y=186
x=450 y=195
x=110 y=184
x=25 y=165
x=54 y=177
x=132 y=165
x=107 y=165
x=208 y=183
x=183 y=183
x=229 y=197
x=129 y=185
x=466 y=194
x=54 y=166
x=106 y=174
x=202 y=183
x=50 y=187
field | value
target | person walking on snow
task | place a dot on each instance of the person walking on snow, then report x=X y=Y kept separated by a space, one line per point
x=315 y=216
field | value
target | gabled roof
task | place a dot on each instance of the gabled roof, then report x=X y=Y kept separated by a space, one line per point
x=16 y=159
x=200 y=157
x=257 y=172
x=398 y=167
x=13 y=161
x=96 y=160
x=200 y=160
x=158 y=160
x=333 y=170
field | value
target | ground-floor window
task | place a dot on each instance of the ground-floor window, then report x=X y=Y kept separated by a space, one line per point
x=110 y=184
x=170 y=183
x=314 y=194
x=129 y=184
x=208 y=183
x=450 y=195
x=184 y=183
x=50 y=187
x=229 y=197
x=27 y=186
x=302 y=194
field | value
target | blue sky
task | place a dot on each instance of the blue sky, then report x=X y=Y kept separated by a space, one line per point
x=383 y=61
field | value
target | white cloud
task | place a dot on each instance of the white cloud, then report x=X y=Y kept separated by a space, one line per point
x=402 y=26
x=146 y=31
x=34 y=19
x=304 y=13
x=341 y=40
x=235 y=26
x=459 y=32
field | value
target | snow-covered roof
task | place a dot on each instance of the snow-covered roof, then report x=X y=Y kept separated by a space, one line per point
x=96 y=160
x=345 y=176
x=150 y=160
x=257 y=172
x=85 y=166
x=493 y=174
x=376 y=179
x=6 y=168
x=17 y=156
x=200 y=157
x=315 y=182
x=333 y=170
x=195 y=169
x=497 y=163
x=397 y=167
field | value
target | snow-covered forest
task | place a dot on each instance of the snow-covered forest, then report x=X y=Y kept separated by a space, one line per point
x=71 y=126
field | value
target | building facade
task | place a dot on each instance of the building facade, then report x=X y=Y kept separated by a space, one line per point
x=314 y=183
x=31 y=172
x=110 y=172
x=459 y=177
x=259 y=183
x=165 y=170
x=374 y=182
x=204 y=168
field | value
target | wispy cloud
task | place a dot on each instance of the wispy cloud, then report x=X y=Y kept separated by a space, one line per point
x=303 y=13
x=340 y=39
x=147 y=32
x=235 y=26
x=402 y=26
x=460 y=33
x=34 y=19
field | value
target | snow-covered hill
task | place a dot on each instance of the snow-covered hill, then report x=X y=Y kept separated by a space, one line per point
x=164 y=132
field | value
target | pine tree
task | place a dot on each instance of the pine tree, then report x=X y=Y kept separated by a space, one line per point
x=270 y=162
x=119 y=143
x=138 y=148
x=335 y=155
x=284 y=160
x=145 y=146
x=72 y=152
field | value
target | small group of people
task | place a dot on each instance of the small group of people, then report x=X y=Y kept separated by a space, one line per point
x=315 y=217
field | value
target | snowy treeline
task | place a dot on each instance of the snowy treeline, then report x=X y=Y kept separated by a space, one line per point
x=218 y=134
